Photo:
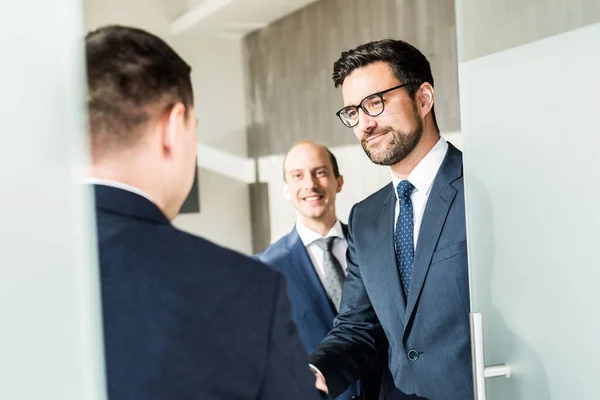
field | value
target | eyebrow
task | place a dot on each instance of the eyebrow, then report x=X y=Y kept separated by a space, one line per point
x=363 y=99
x=312 y=169
x=380 y=92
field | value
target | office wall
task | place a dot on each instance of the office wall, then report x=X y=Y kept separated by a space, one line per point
x=515 y=23
x=224 y=216
x=290 y=94
x=218 y=81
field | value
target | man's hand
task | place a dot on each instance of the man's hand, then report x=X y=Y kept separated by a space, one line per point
x=319 y=380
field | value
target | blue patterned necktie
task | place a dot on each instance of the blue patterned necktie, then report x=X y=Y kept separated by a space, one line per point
x=404 y=247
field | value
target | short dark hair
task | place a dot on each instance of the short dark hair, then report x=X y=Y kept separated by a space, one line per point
x=133 y=77
x=408 y=64
x=334 y=163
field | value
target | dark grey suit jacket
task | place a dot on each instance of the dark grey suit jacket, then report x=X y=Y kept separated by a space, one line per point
x=425 y=337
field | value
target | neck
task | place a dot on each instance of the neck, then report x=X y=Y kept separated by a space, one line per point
x=128 y=173
x=429 y=139
x=322 y=225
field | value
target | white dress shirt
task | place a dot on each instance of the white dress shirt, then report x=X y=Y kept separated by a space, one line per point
x=308 y=238
x=118 y=185
x=422 y=177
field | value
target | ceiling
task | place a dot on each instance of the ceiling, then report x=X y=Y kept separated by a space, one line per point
x=190 y=17
x=237 y=17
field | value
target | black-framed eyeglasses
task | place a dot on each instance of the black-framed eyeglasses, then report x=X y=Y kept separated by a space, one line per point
x=372 y=105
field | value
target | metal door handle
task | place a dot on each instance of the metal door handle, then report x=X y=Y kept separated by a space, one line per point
x=480 y=371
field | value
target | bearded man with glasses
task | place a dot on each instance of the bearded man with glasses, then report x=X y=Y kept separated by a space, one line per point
x=406 y=296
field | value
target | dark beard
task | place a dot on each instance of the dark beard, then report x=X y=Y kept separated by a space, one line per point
x=399 y=146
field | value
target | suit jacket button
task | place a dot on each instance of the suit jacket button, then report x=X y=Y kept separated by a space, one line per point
x=413 y=355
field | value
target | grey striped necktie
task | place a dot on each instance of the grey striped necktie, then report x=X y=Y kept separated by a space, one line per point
x=334 y=274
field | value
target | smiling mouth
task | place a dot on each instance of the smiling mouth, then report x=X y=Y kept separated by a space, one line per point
x=313 y=198
x=373 y=137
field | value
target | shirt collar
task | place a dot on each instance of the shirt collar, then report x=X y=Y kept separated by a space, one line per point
x=119 y=185
x=424 y=173
x=308 y=236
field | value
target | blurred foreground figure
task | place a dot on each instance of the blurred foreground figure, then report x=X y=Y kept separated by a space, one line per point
x=183 y=318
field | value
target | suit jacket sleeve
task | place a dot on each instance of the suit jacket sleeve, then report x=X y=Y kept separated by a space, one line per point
x=357 y=341
x=287 y=374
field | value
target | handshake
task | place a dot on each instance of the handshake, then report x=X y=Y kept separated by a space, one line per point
x=319 y=380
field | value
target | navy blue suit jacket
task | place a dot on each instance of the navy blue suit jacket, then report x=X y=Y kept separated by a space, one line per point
x=426 y=337
x=186 y=319
x=312 y=310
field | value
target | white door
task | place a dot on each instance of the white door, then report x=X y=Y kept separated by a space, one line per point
x=50 y=326
x=531 y=137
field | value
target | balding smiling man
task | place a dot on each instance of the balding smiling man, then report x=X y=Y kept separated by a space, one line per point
x=313 y=255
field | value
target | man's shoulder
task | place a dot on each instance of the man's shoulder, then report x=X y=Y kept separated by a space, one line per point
x=280 y=250
x=376 y=199
x=154 y=244
x=203 y=250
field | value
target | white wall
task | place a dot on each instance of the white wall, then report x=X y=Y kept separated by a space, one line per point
x=217 y=78
x=224 y=216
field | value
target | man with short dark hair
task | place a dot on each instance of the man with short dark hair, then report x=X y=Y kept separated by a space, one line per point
x=183 y=318
x=406 y=295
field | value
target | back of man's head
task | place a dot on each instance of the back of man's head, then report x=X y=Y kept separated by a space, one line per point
x=140 y=103
x=133 y=77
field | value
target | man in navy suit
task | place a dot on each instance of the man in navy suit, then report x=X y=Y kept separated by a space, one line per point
x=183 y=318
x=311 y=181
x=406 y=296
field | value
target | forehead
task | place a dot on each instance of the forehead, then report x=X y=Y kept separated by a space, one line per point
x=365 y=81
x=306 y=156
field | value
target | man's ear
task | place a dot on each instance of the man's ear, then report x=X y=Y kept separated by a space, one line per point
x=340 y=183
x=170 y=126
x=286 y=191
x=425 y=99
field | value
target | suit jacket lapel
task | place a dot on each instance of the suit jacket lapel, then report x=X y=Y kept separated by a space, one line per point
x=384 y=229
x=440 y=199
x=305 y=273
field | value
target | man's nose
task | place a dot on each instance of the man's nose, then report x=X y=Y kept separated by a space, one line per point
x=366 y=123
x=310 y=181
